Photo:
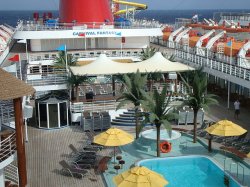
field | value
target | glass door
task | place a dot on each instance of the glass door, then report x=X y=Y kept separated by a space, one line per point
x=53 y=116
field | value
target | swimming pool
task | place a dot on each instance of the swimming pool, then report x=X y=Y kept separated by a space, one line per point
x=189 y=171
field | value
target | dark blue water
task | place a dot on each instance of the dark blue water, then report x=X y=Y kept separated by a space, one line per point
x=164 y=16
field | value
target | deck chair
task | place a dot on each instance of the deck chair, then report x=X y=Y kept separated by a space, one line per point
x=70 y=170
x=79 y=153
x=90 y=134
x=200 y=130
x=85 y=159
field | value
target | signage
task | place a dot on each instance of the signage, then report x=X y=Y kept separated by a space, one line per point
x=98 y=33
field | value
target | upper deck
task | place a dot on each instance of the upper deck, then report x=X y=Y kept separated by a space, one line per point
x=36 y=30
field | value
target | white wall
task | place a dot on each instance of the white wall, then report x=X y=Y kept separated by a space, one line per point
x=92 y=43
x=130 y=42
x=1 y=177
x=35 y=45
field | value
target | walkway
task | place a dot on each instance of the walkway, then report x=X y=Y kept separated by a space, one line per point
x=47 y=147
x=44 y=151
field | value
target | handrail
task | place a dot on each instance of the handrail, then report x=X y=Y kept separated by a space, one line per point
x=35 y=26
x=187 y=53
x=230 y=69
x=53 y=80
x=86 y=54
x=6 y=112
x=8 y=147
x=94 y=106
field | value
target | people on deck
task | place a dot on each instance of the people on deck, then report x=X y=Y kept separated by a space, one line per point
x=237 y=109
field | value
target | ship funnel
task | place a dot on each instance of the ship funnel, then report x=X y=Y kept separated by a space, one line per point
x=85 y=11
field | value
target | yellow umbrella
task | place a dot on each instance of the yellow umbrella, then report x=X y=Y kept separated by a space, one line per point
x=139 y=177
x=248 y=155
x=225 y=128
x=113 y=137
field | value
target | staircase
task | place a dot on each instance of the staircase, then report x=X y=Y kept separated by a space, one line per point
x=126 y=119
x=11 y=176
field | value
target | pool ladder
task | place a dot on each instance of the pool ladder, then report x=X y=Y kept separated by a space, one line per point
x=237 y=164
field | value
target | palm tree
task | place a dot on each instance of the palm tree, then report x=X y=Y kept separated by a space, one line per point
x=196 y=81
x=133 y=93
x=148 y=52
x=75 y=81
x=158 y=112
x=60 y=61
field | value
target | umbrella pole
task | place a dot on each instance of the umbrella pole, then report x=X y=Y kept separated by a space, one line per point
x=114 y=155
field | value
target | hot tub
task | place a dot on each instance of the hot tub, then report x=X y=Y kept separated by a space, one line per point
x=164 y=136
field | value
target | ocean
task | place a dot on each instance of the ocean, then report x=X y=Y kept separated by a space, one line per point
x=164 y=16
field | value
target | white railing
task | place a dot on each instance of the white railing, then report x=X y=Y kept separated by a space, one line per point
x=96 y=106
x=226 y=68
x=35 y=26
x=11 y=174
x=88 y=54
x=219 y=62
x=8 y=146
x=6 y=112
x=50 y=80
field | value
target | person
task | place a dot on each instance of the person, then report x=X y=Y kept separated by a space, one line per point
x=237 y=109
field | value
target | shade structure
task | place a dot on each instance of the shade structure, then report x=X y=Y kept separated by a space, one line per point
x=12 y=88
x=139 y=177
x=248 y=155
x=159 y=63
x=226 y=128
x=105 y=66
x=113 y=137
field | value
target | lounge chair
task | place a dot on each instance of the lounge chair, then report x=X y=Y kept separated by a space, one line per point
x=90 y=134
x=90 y=161
x=73 y=171
x=81 y=151
x=203 y=126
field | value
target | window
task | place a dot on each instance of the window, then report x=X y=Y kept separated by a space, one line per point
x=34 y=69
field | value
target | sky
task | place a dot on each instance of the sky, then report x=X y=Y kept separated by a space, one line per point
x=152 y=4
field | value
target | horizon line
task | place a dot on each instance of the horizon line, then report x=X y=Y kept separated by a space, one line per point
x=144 y=10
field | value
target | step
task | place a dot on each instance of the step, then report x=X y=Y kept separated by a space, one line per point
x=124 y=120
x=141 y=147
x=132 y=110
x=128 y=119
x=122 y=123
x=127 y=115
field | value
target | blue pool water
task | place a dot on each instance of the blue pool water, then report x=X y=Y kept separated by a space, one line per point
x=189 y=171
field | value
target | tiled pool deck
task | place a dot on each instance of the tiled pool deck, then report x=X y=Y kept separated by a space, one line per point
x=182 y=146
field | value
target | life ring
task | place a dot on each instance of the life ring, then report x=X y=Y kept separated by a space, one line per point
x=165 y=147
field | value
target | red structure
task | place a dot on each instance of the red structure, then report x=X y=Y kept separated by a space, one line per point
x=85 y=11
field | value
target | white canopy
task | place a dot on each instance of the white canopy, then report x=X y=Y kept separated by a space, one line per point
x=105 y=66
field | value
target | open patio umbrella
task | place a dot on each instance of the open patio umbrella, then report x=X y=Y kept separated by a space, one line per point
x=248 y=155
x=113 y=137
x=225 y=128
x=139 y=177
